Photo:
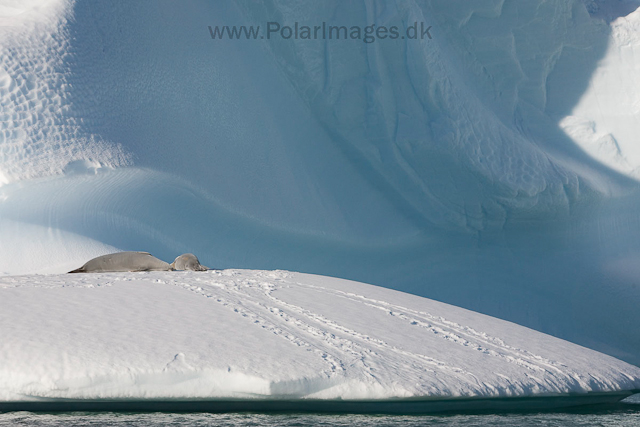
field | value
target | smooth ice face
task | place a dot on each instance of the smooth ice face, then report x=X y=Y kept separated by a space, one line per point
x=491 y=166
x=271 y=335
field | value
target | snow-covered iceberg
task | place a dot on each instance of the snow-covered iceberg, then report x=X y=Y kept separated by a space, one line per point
x=493 y=166
x=256 y=336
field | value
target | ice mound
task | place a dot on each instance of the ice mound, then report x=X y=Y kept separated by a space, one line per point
x=240 y=334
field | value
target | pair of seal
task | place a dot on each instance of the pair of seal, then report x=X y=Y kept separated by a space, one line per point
x=138 y=261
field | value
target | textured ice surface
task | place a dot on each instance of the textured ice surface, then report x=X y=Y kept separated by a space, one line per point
x=270 y=334
x=606 y=120
x=491 y=167
x=38 y=136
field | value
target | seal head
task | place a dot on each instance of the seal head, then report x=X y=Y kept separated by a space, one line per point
x=188 y=262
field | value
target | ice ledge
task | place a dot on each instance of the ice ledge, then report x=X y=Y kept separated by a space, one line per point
x=222 y=336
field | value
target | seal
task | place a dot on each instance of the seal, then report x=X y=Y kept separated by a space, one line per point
x=138 y=261
x=124 y=261
x=188 y=262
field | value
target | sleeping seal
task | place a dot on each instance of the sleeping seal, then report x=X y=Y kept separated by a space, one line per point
x=124 y=261
x=188 y=262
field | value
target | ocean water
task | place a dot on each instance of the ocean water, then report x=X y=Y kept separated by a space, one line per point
x=622 y=415
x=618 y=419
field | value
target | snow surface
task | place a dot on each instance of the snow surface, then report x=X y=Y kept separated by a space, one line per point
x=492 y=167
x=606 y=120
x=270 y=334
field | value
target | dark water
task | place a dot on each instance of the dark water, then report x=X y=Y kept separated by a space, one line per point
x=623 y=415
x=618 y=419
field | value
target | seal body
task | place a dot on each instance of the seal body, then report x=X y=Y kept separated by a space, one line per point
x=124 y=261
x=188 y=262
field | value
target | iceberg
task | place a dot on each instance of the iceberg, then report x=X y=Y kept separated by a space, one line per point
x=276 y=340
x=492 y=167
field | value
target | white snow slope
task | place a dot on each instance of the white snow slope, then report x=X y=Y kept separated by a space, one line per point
x=493 y=167
x=241 y=334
